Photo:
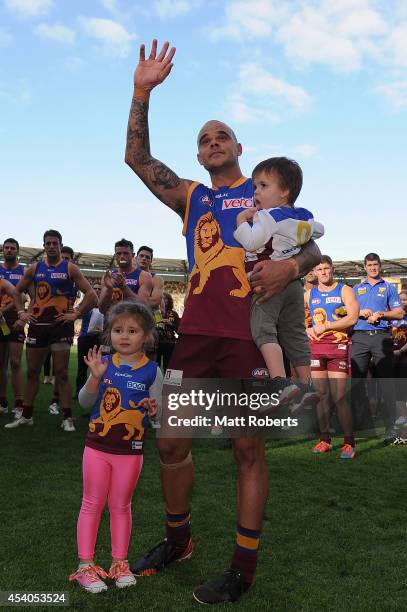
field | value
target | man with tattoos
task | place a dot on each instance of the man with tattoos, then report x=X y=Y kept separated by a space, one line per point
x=215 y=339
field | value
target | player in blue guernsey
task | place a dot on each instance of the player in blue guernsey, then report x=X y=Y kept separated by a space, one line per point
x=126 y=282
x=333 y=311
x=11 y=342
x=371 y=340
x=123 y=390
x=51 y=323
x=215 y=339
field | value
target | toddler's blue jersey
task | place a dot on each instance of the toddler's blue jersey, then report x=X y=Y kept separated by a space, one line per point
x=116 y=424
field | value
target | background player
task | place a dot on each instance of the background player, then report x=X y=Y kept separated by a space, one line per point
x=12 y=335
x=215 y=338
x=52 y=323
x=127 y=282
x=333 y=311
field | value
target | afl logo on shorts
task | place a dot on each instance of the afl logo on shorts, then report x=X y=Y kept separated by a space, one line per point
x=315 y=301
x=260 y=373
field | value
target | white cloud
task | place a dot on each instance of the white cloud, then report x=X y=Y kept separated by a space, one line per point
x=257 y=80
x=112 y=37
x=397 y=45
x=341 y=34
x=395 y=92
x=56 y=32
x=5 y=38
x=260 y=96
x=29 y=8
x=19 y=92
x=305 y=150
x=254 y=18
x=172 y=8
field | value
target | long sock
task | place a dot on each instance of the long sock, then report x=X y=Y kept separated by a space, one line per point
x=27 y=411
x=349 y=440
x=3 y=402
x=246 y=552
x=325 y=437
x=67 y=413
x=178 y=527
x=18 y=403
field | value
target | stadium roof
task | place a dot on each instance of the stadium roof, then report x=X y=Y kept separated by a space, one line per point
x=93 y=264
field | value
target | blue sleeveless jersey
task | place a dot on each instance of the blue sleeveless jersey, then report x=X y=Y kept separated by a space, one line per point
x=116 y=424
x=53 y=291
x=132 y=280
x=218 y=302
x=13 y=276
x=328 y=306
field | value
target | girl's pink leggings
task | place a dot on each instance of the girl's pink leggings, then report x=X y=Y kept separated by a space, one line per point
x=107 y=478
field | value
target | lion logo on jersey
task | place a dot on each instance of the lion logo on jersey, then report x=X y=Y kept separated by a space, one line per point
x=117 y=295
x=45 y=300
x=400 y=337
x=211 y=253
x=319 y=318
x=43 y=291
x=112 y=413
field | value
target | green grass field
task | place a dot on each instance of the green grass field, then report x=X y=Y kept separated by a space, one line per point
x=333 y=538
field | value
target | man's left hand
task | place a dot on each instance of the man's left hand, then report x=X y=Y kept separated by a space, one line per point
x=271 y=277
x=374 y=318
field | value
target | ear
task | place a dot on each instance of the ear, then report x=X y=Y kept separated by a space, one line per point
x=199 y=159
x=239 y=149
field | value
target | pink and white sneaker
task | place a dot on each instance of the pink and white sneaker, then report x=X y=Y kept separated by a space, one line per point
x=88 y=578
x=121 y=574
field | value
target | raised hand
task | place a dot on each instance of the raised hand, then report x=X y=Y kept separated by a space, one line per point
x=94 y=362
x=108 y=280
x=154 y=70
x=150 y=405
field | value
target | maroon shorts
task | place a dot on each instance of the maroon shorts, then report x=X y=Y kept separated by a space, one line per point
x=329 y=358
x=43 y=336
x=213 y=357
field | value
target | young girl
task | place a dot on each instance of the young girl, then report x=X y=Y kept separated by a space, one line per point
x=124 y=390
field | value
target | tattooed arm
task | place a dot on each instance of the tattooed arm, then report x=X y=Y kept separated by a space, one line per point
x=160 y=179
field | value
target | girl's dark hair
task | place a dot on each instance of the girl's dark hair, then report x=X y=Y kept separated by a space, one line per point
x=140 y=312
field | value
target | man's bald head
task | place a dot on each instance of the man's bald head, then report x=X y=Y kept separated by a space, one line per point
x=216 y=125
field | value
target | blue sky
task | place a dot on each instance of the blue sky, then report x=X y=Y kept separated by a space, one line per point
x=320 y=81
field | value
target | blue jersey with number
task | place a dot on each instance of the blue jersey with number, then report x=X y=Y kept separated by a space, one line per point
x=328 y=306
x=218 y=302
x=116 y=424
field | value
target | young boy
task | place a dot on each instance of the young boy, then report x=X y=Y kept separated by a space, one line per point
x=277 y=232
